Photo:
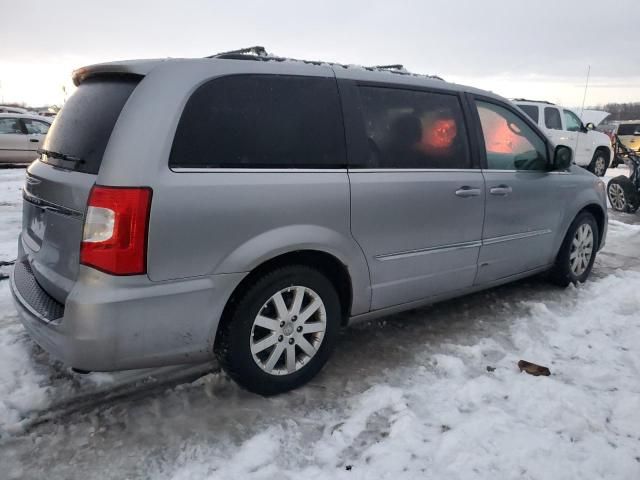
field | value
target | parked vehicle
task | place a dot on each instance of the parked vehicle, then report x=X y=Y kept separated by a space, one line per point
x=592 y=149
x=628 y=134
x=623 y=191
x=628 y=140
x=248 y=207
x=21 y=136
x=47 y=113
x=609 y=129
x=7 y=109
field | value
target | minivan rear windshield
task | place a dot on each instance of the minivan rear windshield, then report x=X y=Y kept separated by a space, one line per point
x=80 y=133
x=629 y=129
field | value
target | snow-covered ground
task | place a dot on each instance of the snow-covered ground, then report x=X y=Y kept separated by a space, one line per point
x=409 y=396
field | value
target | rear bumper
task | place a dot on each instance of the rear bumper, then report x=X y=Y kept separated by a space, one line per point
x=118 y=323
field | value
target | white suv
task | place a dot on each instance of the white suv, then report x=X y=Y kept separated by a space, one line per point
x=592 y=149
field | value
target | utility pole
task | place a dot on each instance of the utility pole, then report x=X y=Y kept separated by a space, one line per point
x=584 y=98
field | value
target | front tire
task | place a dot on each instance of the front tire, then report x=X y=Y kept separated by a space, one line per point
x=598 y=165
x=280 y=331
x=623 y=195
x=578 y=251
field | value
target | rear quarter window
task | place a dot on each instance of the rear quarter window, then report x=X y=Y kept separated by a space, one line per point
x=532 y=111
x=261 y=121
x=552 y=118
x=83 y=127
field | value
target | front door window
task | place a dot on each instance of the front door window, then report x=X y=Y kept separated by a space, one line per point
x=510 y=143
x=572 y=121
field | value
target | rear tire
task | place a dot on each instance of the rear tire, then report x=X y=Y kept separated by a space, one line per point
x=598 y=165
x=578 y=251
x=263 y=342
x=623 y=195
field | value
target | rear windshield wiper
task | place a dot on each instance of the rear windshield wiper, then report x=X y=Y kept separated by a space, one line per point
x=61 y=156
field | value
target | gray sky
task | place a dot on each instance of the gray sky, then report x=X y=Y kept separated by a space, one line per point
x=534 y=49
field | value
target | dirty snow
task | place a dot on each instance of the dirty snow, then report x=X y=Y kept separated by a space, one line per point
x=409 y=396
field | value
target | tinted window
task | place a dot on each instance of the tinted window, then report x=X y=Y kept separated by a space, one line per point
x=10 y=125
x=261 y=121
x=509 y=142
x=552 y=118
x=35 y=126
x=532 y=111
x=84 y=125
x=629 y=129
x=410 y=129
x=572 y=121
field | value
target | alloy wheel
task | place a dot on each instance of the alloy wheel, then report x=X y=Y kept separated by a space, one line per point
x=581 y=249
x=616 y=197
x=288 y=330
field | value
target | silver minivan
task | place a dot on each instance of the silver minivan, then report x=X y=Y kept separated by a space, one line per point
x=247 y=207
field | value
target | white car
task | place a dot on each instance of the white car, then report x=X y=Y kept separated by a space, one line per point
x=592 y=149
x=6 y=109
x=21 y=135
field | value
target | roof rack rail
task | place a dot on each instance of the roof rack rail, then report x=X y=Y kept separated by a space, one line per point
x=399 y=69
x=528 y=100
x=248 y=52
x=394 y=66
x=260 y=53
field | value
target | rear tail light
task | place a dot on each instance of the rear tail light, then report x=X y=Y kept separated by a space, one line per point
x=114 y=239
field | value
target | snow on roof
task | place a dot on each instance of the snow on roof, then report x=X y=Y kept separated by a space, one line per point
x=259 y=53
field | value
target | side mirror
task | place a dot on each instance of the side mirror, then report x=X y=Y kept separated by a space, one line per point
x=562 y=157
x=590 y=126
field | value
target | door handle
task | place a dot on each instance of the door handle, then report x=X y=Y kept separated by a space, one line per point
x=34 y=140
x=467 y=191
x=501 y=190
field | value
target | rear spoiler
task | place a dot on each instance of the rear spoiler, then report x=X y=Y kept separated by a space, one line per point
x=126 y=67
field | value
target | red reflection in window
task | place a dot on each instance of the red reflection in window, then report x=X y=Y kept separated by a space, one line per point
x=501 y=137
x=438 y=134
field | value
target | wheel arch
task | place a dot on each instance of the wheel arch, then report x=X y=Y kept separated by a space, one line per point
x=604 y=149
x=594 y=209
x=324 y=262
x=597 y=212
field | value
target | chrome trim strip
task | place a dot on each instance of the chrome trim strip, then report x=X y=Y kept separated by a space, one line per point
x=555 y=172
x=258 y=170
x=52 y=207
x=351 y=170
x=515 y=236
x=460 y=246
x=319 y=170
x=409 y=170
x=496 y=170
x=426 y=251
